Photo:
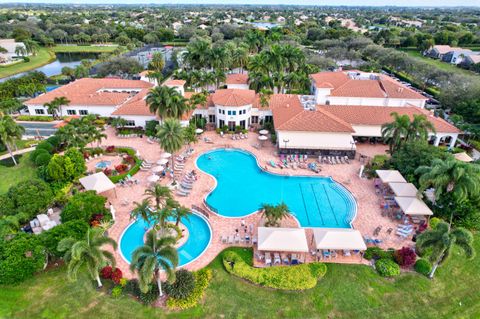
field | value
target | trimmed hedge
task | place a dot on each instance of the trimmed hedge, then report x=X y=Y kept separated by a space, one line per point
x=423 y=266
x=34 y=118
x=299 y=277
x=378 y=253
x=115 y=179
x=202 y=280
x=387 y=267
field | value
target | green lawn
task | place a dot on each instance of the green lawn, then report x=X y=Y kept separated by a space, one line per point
x=44 y=56
x=21 y=144
x=10 y=176
x=84 y=48
x=437 y=63
x=347 y=291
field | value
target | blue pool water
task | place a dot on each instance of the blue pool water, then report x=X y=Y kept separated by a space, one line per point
x=242 y=187
x=103 y=164
x=197 y=242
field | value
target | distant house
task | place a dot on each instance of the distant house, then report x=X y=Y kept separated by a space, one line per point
x=438 y=51
x=471 y=60
x=237 y=81
x=457 y=55
x=10 y=46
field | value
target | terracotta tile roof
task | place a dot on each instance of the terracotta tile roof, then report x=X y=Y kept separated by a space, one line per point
x=237 y=78
x=233 y=97
x=175 y=83
x=136 y=106
x=442 y=49
x=378 y=115
x=341 y=84
x=90 y=92
x=289 y=115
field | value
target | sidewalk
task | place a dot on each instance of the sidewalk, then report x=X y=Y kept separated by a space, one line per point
x=22 y=151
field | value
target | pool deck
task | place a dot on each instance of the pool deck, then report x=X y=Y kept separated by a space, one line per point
x=368 y=203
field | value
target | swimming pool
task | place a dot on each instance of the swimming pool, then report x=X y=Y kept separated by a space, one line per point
x=242 y=187
x=103 y=164
x=198 y=240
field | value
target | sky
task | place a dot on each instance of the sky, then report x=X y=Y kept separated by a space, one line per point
x=428 y=3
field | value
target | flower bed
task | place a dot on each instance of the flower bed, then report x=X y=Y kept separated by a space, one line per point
x=299 y=277
x=202 y=280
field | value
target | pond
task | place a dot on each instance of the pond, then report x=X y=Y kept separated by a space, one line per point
x=54 y=68
x=266 y=25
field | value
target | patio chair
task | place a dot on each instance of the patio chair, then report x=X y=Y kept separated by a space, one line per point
x=285 y=259
x=347 y=160
x=346 y=253
x=294 y=260
x=268 y=259
x=277 y=259
x=237 y=239
x=223 y=239
x=377 y=231
x=230 y=240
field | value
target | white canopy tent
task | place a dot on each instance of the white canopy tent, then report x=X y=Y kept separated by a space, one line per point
x=464 y=157
x=338 y=239
x=282 y=239
x=404 y=189
x=390 y=176
x=413 y=206
x=98 y=182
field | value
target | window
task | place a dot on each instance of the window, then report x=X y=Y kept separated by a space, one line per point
x=83 y=112
x=71 y=112
x=39 y=111
x=254 y=119
x=221 y=123
x=130 y=123
x=229 y=112
x=211 y=118
x=234 y=112
x=268 y=119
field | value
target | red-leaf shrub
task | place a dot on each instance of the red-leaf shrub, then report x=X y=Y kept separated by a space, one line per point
x=405 y=257
x=86 y=155
x=110 y=149
x=121 y=168
x=107 y=171
x=106 y=272
x=116 y=275
x=129 y=159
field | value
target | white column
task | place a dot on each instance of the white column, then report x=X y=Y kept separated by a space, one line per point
x=437 y=140
x=452 y=141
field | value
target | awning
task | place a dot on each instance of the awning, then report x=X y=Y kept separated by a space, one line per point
x=413 y=206
x=404 y=189
x=390 y=176
x=282 y=239
x=338 y=239
x=463 y=157
x=98 y=182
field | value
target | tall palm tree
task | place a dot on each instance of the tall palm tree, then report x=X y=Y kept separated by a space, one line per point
x=394 y=133
x=166 y=102
x=274 y=213
x=159 y=193
x=265 y=97
x=440 y=242
x=419 y=128
x=219 y=77
x=181 y=212
x=60 y=101
x=157 y=63
x=87 y=252
x=240 y=58
x=10 y=131
x=20 y=50
x=190 y=134
x=148 y=260
x=170 y=134
x=461 y=180
x=141 y=210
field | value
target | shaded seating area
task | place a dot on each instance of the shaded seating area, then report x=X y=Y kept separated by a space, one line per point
x=98 y=182
x=403 y=189
x=331 y=241
x=277 y=246
x=390 y=176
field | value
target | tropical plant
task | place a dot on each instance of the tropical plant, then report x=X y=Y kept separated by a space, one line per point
x=141 y=210
x=394 y=133
x=419 y=128
x=439 y=242
x=179 y=213
x=166 y=102
x=56 y=104
x=170 y=134
x=155 y=255
x=159 y=193
x=157 y=63
x=274 y=213
x=10 y=131
x=87 y=252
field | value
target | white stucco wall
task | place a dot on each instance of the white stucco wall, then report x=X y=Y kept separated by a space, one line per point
x=367 y=130
x=140 y=120
x=315 y=140
x=100 y=110
x=238 y=86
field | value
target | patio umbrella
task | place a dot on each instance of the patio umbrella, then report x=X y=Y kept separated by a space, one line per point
x=162 y=161
x=263 y=132
x=262 y=138
x=158 y=169
x=153 y=178
x=199 y=131
x=166 y=155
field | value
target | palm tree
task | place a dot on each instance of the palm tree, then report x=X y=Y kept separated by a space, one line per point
x=155 y=255
x=440 y=241
x=166 y=102
x=265 y=97
x=142 y=210
x=190 y=134
x=274 y=213
x=20 y=50
x=219 y=77
x=419 y=128
x=118 y=122
x=171 y=136
x=459 y=179
x=87 y=252
x=10 y=131
x=240 y=58
x=31 y=46
x=394 y=133
x=157 y=63
x=181 y=212
x=60 y=101
x=159 y=193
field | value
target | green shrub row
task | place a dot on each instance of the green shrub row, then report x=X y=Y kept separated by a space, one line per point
x=299 y=277
x=37 y=118
x=387 y=267
x=134 y=170
x=202 y=280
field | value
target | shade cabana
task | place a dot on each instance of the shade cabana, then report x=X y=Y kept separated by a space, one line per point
x=338 y=239
x=413 y=206
x=98 y=182
x=464 y=157
x=282 y=239
x=390 y=176
x=403 y=189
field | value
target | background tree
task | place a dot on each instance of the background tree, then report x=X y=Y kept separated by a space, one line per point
x=395 y=132
x=166 y=102
x=170 y=134
x=10 y=132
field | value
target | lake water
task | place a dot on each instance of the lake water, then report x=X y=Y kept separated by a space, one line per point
x=267 y=25
x=63 y=59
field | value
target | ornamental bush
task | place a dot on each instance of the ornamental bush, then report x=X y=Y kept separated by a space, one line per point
x=377 y=253
x=183 y=285
x=34 y=154
x=75 y=229
x=42 y=159
x=152 y=294
x=20 y=258
x=83 y=206
x=45 y=146
x=387 y=267
x=300 y=277
x=423 y=266
x=117 y=291
x=202 y=280
x=405 y=257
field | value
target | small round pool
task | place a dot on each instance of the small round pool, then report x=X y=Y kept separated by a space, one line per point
x=198 y=240
x=103 y=164
x=242 y=187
